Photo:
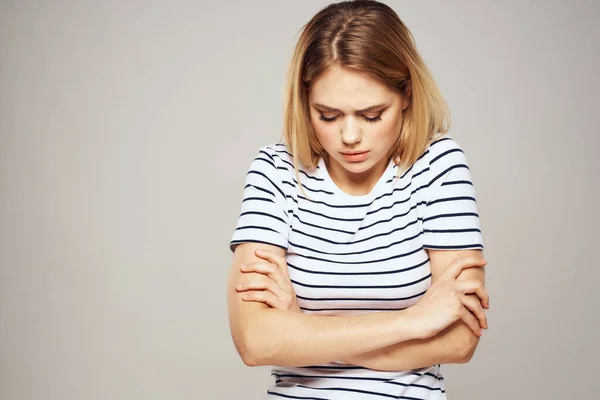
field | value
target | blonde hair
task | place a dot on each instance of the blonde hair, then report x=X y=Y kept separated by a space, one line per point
x=366 y=36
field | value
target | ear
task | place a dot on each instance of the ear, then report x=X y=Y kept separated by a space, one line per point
x=407 y=97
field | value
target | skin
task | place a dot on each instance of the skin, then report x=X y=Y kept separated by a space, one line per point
x=351 y=129
x=443 y=327
x=259 y=287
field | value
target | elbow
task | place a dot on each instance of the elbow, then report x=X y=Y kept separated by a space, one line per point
x=466 y=350
x=250 y=350
x=246 y=354
x=249 y=359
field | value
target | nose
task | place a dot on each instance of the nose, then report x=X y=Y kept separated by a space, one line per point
x=351 y=133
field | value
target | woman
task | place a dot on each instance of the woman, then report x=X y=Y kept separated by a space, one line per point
x=358 y=266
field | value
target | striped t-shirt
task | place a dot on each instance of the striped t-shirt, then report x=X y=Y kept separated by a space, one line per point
x=356 y=254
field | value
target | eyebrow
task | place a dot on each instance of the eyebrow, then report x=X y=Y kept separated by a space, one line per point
x=370 y=108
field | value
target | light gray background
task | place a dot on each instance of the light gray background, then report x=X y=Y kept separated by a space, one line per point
x=126 y=130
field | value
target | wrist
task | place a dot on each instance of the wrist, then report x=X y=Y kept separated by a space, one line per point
x=410 y=324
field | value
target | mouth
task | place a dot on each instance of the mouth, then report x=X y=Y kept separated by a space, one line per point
x=355 y=156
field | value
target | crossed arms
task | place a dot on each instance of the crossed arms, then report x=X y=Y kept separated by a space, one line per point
x=388 y=341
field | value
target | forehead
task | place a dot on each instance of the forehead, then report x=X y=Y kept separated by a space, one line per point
x=348 y=89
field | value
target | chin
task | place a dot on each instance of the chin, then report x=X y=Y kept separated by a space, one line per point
x=357 y=168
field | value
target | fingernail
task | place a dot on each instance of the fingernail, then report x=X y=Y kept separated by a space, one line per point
x=239 y=286
x=243 y=267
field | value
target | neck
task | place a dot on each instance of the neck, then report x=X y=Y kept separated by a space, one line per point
x=356 y=184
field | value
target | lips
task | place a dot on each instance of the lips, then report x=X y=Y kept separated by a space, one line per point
x=353 y=152
x=355 y=156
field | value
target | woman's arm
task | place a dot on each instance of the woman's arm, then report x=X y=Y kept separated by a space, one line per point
x=455 y=344
x=273 y=336
x=269 y=336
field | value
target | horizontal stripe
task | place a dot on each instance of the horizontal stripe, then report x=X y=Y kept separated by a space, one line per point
x=441 y=378
x=454 y=215
x=272 y=164
x=328 y=216
x=369 y=204
x=350 y=243
x=264 y=214
x=256 y=227
x=377 y=299
x=356 y=378
x=448 y=183
x=280 y=150
x=401 y=255
x=451 y=230
x=293 y=185
x=288 y=396
x=322 y=227
x=338 y=367
x=352 y=309
x=362 y=286
x=259 y=188
x=251 y=172
x=257 y=199
x=349 y=253
x=447 y=170
x=458 y=198
x=369 y=392
x=394 y=271
x=433 y=160
x=454 y=247
x=279 y=157
x=234 y=242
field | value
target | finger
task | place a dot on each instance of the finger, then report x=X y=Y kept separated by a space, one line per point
x=457 y=266
x=474 y=286
x=471 y=321
x=474 y=306
x=272 y=271
x=262 y=296
x=260 y=282
x=275 y=259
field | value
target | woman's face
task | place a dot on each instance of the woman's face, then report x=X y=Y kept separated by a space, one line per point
x=352 y=112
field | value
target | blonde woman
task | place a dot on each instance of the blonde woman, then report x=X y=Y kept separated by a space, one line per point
x=357 y=258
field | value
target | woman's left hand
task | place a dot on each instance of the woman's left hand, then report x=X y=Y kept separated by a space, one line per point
x=268 y=282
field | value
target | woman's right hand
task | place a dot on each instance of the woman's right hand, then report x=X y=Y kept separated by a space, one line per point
x=446 y=301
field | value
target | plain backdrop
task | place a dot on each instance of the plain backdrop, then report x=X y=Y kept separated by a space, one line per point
x=126 y=131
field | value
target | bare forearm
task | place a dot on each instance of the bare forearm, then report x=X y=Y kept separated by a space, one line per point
x=453 y=345
x=296 y=339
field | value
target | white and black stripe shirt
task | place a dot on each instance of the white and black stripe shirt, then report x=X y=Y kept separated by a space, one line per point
x=356 y=254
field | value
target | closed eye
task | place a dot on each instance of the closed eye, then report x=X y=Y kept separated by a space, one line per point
x=375 y=119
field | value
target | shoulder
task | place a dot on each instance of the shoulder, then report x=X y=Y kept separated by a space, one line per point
x=277 y=158
x=444 y=155
x=277 y=152
x=270 y=158
x=444 y=150
x=273 y=168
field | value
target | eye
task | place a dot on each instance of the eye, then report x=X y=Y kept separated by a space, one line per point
x=324 y=118
x=374 y=119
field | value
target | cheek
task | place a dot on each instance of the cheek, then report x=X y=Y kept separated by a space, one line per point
x=387 y=130
x=325 y=133
x=382 y=133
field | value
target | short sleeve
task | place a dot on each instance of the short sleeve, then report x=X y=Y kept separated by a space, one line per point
x=263 y=217
x=451 y=218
